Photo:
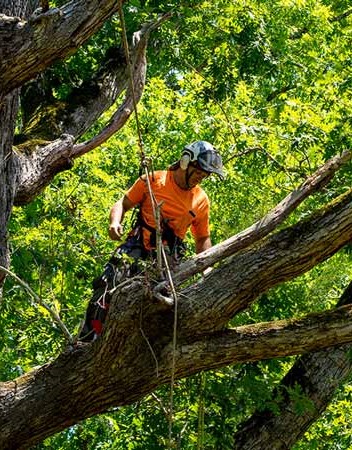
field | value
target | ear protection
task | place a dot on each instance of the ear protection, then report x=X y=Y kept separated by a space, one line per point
x=188 y=155
x=184 y=161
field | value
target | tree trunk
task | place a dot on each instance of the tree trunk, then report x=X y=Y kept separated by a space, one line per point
x=120 y=367
x=9 y=172
x=317 y=375
x=9 y=167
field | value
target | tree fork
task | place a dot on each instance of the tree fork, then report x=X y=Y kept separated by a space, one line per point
x=278 y=258
x=62 y=391
x=88 y=380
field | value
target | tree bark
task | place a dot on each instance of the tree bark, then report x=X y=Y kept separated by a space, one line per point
x=120 y=367
x=9 y=169
x=280 y=257
x=18 y=8
x=28 y=47
x=8 y=173
x=318 y=375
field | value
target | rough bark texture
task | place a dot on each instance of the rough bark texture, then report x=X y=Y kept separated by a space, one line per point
x=8 y=167
x=279 y=258
x=318 y=375
x=120 y=372
x=51 y=118
x=29 y=46
x=120 y=367
x=8 y=170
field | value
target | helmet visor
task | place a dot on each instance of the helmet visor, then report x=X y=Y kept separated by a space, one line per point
x=211 y=162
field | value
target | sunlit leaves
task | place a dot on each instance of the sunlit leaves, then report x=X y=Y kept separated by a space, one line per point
x=269 y=84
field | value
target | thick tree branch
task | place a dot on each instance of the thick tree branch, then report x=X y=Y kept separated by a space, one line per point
x=121 y=377
x=39 y=168
x=9 y=170
x=45 y=117
x=52 y=118
x=38 y=42
x=317 y=375
x=264 y=226
x=281 y=257
x=264 y=341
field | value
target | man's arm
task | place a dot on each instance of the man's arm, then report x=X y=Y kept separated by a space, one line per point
x=117 y=214
x=202 y=244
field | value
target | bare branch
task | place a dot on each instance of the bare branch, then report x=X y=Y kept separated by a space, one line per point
x=133 y=94
x=41 y=302
x=345 y=14
x=119 y=118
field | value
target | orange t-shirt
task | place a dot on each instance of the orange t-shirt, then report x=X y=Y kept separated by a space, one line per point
x=181 y=208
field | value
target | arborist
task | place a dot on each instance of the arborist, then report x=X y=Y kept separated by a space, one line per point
x=183 y=205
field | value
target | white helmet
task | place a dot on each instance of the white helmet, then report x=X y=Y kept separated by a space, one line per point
x=207 y=157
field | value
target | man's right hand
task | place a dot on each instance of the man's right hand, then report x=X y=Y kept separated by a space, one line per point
x=115 y=231
x=117 y=214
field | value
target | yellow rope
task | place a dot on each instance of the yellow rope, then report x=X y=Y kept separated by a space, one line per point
x=129 y=65
x=162 y=259
x=155 y=206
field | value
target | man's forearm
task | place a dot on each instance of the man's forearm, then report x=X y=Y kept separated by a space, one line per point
x=203 y=244
x=117 y=213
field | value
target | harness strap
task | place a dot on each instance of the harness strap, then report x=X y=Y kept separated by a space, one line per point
x=175 y=243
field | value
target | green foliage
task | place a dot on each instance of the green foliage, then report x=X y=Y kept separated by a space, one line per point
x=58 y=246
x=269 y=83
x=332 y=431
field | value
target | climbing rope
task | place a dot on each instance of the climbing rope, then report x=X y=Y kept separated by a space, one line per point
x=161 y=256
x=200 y=434
x=144 y=161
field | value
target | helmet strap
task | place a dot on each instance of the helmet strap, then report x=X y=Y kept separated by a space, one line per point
x=187 y=177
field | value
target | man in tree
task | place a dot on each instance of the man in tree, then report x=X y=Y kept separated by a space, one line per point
x=183 y=204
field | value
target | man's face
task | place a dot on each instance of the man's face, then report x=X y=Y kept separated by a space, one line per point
x=196 y=175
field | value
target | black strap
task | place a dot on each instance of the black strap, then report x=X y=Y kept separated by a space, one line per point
x=174 y=243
